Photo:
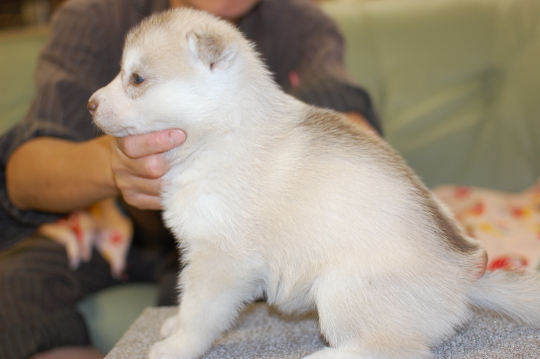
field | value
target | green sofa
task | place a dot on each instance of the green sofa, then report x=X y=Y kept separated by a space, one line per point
x=456 y=83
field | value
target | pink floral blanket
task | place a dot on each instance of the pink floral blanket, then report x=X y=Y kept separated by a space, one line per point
x=508 y=223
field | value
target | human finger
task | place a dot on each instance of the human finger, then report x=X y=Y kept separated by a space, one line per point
x=130 y=185
x=148 y=167
x=142 y=201
x=137 y=146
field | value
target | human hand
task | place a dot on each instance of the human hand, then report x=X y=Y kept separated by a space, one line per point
x=138 y=162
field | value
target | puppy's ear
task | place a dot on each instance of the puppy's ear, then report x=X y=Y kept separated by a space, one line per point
x=213 y=50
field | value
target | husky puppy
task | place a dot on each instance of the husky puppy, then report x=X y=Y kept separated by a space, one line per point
x=270 y=196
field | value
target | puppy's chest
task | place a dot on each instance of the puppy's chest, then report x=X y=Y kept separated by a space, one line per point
x=202 y=201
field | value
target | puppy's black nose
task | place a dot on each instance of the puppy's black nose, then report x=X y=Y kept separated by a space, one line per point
x=92 y=106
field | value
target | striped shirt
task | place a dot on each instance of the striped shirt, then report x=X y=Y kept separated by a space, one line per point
x=301 y=46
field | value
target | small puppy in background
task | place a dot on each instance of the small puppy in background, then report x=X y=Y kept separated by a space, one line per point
x=271 y=196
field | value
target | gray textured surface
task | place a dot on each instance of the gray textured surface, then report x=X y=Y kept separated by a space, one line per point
x=262 y=333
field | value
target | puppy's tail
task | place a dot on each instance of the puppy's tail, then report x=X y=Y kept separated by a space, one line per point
x=513 y=294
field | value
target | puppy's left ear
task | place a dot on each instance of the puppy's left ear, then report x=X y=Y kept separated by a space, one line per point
x=213 y=50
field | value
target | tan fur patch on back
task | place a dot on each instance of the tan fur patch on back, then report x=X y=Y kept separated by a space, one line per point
x=335 y=127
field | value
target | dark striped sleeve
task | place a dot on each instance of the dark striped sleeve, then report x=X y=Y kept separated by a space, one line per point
x=322 y=77
x=304 y=49
x=81 y=56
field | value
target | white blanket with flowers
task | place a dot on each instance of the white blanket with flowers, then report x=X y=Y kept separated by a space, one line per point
x=508 y=223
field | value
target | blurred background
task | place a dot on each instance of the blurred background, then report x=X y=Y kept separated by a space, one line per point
x=17 y=13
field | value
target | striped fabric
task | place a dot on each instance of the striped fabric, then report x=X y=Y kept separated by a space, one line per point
x=302 y=48
x=38 y=292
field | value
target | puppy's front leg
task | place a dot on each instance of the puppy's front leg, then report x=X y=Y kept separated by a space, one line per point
x=214 y=289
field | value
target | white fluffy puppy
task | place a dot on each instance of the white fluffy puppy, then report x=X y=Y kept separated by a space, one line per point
x=270 y=196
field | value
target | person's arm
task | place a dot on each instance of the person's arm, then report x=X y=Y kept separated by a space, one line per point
x=313 y=69
x=324 y=81
x=53 y=162
x=50 y=161
x=361 y=120
x=54 y=175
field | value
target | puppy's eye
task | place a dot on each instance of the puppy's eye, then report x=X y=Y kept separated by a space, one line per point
x=137 y=79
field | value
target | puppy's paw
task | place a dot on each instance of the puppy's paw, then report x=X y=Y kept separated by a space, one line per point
x=164 y=350
x=169 y=326
x=332 y=353
x=158 y=351
x=176 y=348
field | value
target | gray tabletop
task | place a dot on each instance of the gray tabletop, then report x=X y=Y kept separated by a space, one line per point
x=262 y=333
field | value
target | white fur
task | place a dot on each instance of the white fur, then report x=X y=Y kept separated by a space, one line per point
x=271 y=196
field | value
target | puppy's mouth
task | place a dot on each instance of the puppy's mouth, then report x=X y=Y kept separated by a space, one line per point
x=107 y=120
x=109 y=124
x=116 y=130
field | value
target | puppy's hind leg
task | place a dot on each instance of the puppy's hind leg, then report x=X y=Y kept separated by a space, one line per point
x=365 y=319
